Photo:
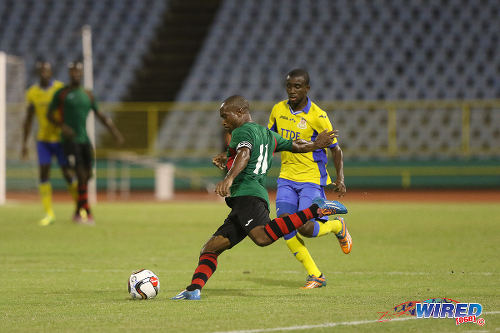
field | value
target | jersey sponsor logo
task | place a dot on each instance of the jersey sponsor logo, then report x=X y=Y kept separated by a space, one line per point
x=244 y=144
x=289 y=134
x=302 y=124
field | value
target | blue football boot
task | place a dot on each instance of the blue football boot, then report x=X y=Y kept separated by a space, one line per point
x=194 y=295
x=327 y=207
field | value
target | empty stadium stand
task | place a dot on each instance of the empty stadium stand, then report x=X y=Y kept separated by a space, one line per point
x=173 y=50
x=354 y=50
x=50 y=29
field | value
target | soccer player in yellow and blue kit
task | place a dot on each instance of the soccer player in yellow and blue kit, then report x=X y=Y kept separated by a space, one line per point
x=304 y=176
x=48 y=138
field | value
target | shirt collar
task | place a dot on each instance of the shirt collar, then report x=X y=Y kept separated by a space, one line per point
x=305 y=109
x=51 y=83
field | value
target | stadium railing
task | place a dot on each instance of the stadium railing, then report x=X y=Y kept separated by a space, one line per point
x=147 y=118
x=461 y=162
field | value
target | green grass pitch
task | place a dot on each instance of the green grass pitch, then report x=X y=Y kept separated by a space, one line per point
x=74 y=278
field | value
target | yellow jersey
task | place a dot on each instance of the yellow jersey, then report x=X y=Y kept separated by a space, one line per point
x=304 y=124
x=40 y=98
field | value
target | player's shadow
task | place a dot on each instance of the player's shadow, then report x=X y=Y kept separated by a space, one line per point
x=274 y=282
x=226 y=292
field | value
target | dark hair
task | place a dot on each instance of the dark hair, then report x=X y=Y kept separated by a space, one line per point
x=299 y=72
x=239 y=102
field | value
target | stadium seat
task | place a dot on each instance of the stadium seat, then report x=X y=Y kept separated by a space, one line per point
x=25 y=33
x=395 y=50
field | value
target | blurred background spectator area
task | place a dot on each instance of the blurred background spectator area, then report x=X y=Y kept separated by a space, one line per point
x=412 y=85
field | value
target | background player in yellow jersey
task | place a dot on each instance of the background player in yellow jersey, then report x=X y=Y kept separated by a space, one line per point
x=48 y=138
x=304 y=176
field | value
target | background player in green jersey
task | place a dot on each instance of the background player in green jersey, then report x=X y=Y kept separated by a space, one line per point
x=249 y=157
x=74 y=104
x=48 y=138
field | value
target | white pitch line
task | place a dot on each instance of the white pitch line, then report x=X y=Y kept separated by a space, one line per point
x=344 y=323
x=306 y=327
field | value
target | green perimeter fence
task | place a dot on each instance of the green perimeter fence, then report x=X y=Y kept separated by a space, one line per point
x=201 y=175
x=386 y=144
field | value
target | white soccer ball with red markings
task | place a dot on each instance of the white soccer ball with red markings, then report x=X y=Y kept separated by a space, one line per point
x=143 y=284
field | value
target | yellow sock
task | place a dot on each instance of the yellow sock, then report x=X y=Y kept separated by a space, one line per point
x=73 y=190
x=329 y=226
x=336 y=226
x=297 y=247
x=323 y=228
x=46 y=195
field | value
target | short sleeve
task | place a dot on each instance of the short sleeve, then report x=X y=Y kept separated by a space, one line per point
x=272 y=120
x=58 y=84
x=324 y=123
x=241 y=137
x=281 y=143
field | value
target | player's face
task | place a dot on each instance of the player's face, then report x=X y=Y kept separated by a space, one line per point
x=229 y=117
x=45 y=73
x=75 y=75
x=297 y=89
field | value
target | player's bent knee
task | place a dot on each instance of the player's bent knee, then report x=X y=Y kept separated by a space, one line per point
x=216 y=244
x=260 y=237
x=307 y=230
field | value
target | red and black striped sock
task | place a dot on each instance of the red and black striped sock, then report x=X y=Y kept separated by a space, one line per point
x=284 y=225
x=206 y=267
x=82 y=198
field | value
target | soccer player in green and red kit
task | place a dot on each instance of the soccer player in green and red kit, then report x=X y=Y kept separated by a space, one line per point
x=248 y=160
x=74 y=103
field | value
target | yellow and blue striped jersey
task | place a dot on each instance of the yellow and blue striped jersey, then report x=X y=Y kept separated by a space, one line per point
x=40 y=98
x=304 y=124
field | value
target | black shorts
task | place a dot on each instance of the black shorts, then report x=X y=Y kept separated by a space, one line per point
x=79 y=154
x=247 y=212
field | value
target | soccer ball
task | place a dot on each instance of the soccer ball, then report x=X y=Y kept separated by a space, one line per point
x=143 y=284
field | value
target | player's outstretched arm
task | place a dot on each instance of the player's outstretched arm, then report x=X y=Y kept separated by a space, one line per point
x=106 y=121
x=240 y=163
x=323 y=140
x=220 y=160
x=338 y=161
x=28 y=120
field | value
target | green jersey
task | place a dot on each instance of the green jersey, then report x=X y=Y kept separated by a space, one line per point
x=262 y=144
x=74 y=105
